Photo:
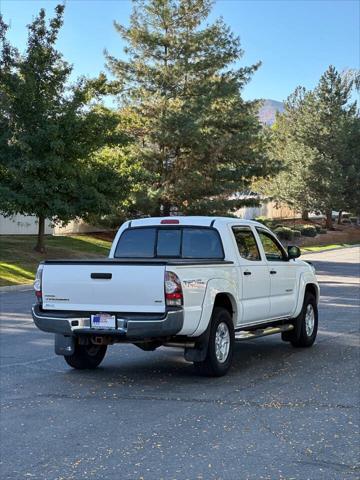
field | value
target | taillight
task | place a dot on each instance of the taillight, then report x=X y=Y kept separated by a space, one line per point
x=173 y=290
x=38 y=283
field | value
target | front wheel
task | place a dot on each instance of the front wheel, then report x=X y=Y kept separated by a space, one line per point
x=86 y=356
x=221 y=345
x=306 y=324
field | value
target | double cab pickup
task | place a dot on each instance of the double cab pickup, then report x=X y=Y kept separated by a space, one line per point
x=197 y=283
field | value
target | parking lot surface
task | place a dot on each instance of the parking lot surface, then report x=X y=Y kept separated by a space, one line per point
x=281 y=413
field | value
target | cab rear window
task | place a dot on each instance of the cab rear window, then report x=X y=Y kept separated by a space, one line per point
x=170 y=242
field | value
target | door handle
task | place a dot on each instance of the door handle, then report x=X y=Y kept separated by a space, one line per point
x=273 y=272
x=105 y=276
x=247 y=272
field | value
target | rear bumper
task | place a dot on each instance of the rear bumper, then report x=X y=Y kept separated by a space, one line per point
x=128 y=328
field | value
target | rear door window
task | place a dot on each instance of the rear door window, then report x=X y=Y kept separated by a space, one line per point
x=246 y=243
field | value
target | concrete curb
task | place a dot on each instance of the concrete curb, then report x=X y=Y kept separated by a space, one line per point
x=16 y=288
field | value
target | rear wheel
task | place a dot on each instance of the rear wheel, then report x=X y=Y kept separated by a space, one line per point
x=306 y=324
x=221 y=345
x=86 y=356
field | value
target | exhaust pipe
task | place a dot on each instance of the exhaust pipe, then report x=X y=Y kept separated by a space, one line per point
x=179 y=344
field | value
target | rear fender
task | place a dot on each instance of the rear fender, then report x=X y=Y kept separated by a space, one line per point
x=214 y=287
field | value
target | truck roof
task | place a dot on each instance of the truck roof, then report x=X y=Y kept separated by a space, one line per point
x=190 y=220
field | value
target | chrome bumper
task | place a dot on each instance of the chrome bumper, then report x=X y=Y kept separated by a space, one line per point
x=129 y=328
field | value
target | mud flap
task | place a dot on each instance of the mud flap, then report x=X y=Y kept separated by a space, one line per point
x=198 y=354
x=293 y=335
x=64 y=344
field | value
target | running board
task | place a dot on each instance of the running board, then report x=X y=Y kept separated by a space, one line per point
x=262 y=332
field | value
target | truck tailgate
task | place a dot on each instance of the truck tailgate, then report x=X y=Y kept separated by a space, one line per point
x=103 y=287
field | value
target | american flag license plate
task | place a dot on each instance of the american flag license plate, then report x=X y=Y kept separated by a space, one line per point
x=103 y=321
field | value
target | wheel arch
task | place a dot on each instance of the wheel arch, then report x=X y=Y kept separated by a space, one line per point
x=313 y=289
x=227 y=301
x=307 y=284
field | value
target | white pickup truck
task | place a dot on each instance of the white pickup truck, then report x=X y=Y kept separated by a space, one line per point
x=198 y=283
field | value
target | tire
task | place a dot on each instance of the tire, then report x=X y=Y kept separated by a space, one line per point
x=220 y=351
x=306 y=324
x=86 y=356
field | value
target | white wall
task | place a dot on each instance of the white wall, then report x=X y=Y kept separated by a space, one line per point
x=76 y=226
x=266 y=210
x=21 y=225
x=28 y=225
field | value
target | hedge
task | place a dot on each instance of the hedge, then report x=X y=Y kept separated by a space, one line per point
x=308 y=231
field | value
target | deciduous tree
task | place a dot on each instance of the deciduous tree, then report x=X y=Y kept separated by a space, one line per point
x=52 y=134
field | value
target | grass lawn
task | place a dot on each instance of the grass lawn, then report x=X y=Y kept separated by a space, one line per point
x=18 y=260
x=320 y=248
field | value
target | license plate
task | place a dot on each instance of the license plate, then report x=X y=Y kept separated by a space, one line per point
x=103 y=321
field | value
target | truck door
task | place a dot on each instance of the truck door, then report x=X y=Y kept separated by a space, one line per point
x=282 y=275
x=253 y=274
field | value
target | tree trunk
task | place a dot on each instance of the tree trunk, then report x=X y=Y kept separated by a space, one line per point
x=305 y=215
x=340 y=217
x=40 y=245
x=329 y=222
x=166 y=209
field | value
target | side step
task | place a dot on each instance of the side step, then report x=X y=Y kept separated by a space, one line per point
x=262 y=332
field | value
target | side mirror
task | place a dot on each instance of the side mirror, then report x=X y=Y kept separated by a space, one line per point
x=293 y=251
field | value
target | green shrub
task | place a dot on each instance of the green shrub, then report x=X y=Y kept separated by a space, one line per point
x=284 y=233
x=296 y=233
x=323 y=230
x=264 y=220
x=318 y=228
x=354 y=220
x=308 y=231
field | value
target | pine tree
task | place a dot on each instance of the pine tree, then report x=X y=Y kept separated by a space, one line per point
x=199 y=142
x=316 y=140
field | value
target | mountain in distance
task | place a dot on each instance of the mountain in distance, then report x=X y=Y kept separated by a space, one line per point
x=268 y=110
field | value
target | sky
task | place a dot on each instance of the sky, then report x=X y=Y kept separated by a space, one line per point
x=296 y=40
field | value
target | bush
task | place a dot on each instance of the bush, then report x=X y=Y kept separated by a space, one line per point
x=318 y=228
x=284 y=233
x=354 y=220
x=323 y=230
x=296 y=233
x=264 y=220
x=308 y=231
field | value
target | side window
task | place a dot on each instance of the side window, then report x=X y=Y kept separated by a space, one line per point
x=246 y=243
x=273 y=250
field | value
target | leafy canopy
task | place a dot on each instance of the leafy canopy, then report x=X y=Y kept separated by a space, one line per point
x=52 y=134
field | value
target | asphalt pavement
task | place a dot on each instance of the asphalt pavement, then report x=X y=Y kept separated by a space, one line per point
x=281 y=413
